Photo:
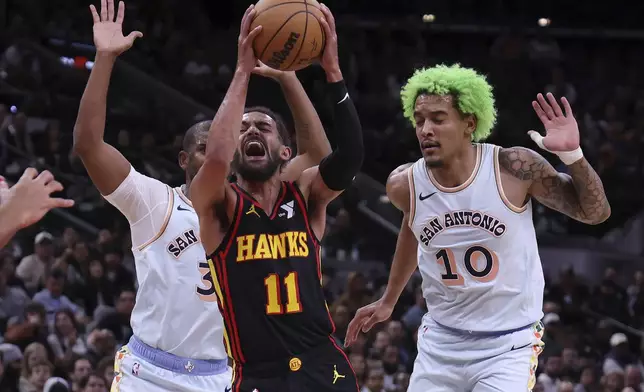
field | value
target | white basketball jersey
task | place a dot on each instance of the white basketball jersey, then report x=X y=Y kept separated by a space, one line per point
x=477 y=253
x=176 y=309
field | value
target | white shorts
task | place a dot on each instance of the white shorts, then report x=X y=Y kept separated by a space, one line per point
x=451 y=361
x=132 y=373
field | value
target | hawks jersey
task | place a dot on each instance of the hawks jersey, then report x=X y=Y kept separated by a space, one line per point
x=268 y=280
x=176 y=309
x=477 y=253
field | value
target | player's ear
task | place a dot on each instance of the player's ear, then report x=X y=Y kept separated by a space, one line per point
x=285 y=153
x=470 y=124
x=183 y=159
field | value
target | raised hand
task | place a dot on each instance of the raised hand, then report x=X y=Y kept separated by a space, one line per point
x=562 y=131
x=330 y=60
x=246 y=60
x=366 y=317
x=268 y=72
x=108 y=32
x=29 y=199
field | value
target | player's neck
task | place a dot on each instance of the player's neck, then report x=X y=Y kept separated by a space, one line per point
x=185 y=188
x=264 y=192
x=458 y=170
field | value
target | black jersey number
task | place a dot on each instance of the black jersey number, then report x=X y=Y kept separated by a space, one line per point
x=206 y=292
x=274 y=303
x=481 y=263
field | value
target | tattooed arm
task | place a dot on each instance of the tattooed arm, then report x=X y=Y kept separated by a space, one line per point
x=579 y=195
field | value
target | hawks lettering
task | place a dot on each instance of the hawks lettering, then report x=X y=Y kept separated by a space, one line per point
x=462 y=218
x=272 y=246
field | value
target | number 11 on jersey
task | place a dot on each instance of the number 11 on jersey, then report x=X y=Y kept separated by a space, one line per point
x=273 y=294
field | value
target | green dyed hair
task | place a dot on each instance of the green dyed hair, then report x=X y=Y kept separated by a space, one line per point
x=471 y=91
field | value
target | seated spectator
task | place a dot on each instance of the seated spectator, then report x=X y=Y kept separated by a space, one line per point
x=619 y=357
x=10 y=364
x=100 y=344
x=413 y=317
x=35 y=375
x=356 y=294
x=81 y=368
x=105 y=368
x=56 y=384
x=66 y=340
x=32 y=268
x=93 y=382
x=53 y=299
x=633 y=378
x=98 y=290
x=375 y=381
x=117 y=320
x=12 y=299
x=29 y=327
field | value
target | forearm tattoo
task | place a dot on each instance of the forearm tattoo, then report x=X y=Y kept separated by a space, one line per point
x=579 y=195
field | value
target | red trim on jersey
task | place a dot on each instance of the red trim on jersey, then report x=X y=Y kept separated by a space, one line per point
x=234 y=349
x=245 y=195
x=233 y=233
x=319 y=268
x=234 y=330
x=237 y=382
x=279 y=201
x=347 y=359
x=305 y=213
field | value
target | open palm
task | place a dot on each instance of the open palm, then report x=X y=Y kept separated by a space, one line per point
x=108 y=32
x=562 y=131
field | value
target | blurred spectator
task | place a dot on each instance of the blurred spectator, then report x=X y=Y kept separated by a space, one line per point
x=32 y=268
x=54 y=300
x=619 y=357
x=66 y=339
x=81 y=368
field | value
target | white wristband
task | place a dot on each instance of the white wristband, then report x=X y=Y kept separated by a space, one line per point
x=567 y=157
x=570 y=157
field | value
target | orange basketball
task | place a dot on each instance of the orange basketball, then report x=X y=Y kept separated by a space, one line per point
x=292 y=36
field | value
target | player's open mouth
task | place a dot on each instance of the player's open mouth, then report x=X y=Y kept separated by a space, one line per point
x=254 y=149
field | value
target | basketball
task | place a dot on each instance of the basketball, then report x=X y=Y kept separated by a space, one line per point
x=292 y=36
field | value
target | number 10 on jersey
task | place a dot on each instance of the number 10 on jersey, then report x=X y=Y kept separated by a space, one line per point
x=481 y=264
x=274 y=304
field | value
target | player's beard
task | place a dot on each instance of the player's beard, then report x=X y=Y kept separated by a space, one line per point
x=255 y=173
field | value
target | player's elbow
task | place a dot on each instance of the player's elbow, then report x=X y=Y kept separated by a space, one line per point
x=83 y=143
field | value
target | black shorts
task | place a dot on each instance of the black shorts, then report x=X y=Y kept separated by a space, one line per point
x=324 y=368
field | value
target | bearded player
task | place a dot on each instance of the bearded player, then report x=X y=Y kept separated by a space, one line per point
x=467 y=225
x=262 y=234
x=178 y=342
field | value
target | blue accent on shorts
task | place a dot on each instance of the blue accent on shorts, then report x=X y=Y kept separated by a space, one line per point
x=483 y=333
x=174 y=363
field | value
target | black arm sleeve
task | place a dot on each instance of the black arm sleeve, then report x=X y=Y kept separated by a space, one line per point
x=340 y=167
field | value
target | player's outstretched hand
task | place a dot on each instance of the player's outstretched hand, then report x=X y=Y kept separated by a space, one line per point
x=562 y=131
x=366 y=317
x=108 y=31
x=330 y=60
x=268 y=72
x=30 y=198
x=246 y=60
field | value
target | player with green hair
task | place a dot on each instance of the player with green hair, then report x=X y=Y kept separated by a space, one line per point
x=467 y=225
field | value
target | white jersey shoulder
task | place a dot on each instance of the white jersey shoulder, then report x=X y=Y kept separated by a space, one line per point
x=176 y=309
x=477 y=253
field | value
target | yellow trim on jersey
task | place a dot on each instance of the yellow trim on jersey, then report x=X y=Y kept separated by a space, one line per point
x=166 y=220
x=220 y=298
x=499 y=184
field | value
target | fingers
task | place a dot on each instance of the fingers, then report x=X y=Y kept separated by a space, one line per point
x=30 y=173
x=540 y=113
x=54 y=186
x=120 y=14
x=327 y=29
x=547 y=109
x=328 y=16
x=554 y=104
x=245 y=23
x=251 y=36
x=353 y=330
x=370 y=323
x=537 y=138
x=134 y=35
x=110 y=10
x=45 y=177
x=567 y=108
x=103 y=10
x=60 y=203
x=95 y=17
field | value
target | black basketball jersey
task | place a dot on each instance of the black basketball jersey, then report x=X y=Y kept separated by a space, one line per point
x=268 y=280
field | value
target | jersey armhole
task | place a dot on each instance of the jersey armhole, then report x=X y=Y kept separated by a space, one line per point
x=226 y=242
x=299 y=197
x=499 y=185
x=412 y=196
x=166 y=220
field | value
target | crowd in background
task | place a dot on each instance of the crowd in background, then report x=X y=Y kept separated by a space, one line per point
x=66 y=294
